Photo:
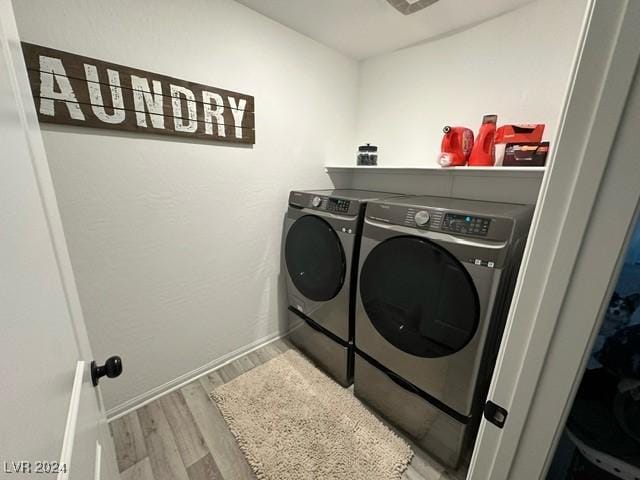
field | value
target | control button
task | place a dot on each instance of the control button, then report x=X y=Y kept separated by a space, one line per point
x=349 y=231
x=477 y=261
x=490 y=264
x=421 y=218
x=316 y=202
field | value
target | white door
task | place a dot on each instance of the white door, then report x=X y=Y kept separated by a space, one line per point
x=585 y=212
x=51 y=421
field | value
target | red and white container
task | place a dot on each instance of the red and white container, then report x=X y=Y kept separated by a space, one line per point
x=483 y=153
x=456 y=146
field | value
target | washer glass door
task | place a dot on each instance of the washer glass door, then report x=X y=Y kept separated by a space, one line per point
x=419 y=297
x=315 y=258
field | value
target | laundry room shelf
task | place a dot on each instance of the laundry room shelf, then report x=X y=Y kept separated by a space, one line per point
x=412 y=169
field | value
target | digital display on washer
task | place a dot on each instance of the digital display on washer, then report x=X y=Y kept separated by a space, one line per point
x=337 y=205
x=466 y=224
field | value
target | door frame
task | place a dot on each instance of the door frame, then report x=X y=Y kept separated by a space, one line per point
x=586 y=208
x=11 y=46
x=29 y=119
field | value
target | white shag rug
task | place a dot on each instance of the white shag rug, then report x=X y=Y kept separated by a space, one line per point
x=291 y=421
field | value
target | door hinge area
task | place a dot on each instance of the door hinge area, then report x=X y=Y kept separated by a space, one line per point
x=495 y=414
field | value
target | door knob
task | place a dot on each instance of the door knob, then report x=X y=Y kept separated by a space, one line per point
x=111 y=368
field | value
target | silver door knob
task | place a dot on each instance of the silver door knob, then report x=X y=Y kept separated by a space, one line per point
x=422 y=218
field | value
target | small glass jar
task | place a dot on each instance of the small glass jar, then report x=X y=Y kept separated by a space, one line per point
x=367 y=154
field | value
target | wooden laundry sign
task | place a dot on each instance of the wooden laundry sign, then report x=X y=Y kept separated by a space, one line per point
x=76 y=90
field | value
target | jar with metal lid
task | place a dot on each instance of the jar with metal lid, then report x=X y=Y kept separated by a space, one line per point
x=367 y=154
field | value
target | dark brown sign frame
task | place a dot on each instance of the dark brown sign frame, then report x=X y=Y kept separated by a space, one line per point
x=76 y=90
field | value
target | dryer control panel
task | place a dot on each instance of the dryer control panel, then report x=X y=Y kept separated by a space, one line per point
x=423 y=217
x=324 y=203
x=466 y=224
x=459 y=223
x=330 y=204
x=338 y=205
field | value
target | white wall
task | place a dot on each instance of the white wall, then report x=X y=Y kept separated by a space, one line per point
x=516 y=65
x=175 y=243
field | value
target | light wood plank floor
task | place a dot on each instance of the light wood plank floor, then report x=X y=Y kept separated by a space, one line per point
x=182 y=435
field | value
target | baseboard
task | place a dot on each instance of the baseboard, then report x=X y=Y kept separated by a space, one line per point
x=179 y=382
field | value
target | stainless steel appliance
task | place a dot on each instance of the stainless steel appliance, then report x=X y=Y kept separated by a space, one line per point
x=321 y=241
x=434 y=286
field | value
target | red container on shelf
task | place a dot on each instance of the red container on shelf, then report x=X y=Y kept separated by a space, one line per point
x=483 y=152
x=520 y=133
x=456 y=146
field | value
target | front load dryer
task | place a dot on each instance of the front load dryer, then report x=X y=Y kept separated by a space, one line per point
x=434 y=287
x=321 y=242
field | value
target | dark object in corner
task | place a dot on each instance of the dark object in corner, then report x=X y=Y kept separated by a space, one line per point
x=526 y=154
x=367 y=154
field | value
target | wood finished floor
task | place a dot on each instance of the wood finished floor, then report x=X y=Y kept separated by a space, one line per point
x=182 y=435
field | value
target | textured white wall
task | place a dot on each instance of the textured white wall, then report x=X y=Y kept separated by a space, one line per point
x=516 y=65
x=176 y=243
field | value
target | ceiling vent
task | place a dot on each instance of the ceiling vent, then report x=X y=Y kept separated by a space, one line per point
x=407 y=7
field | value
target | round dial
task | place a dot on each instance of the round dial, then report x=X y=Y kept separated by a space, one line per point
x=316 y=201
x=422 y=218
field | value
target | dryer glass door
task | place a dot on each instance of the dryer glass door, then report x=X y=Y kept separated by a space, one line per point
x=419 y=297
x=315 y=258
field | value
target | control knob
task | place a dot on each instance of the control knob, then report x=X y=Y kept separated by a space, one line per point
x=422 y=218
x=316 y=201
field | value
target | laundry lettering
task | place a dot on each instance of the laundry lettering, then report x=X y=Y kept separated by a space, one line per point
x=76 y=90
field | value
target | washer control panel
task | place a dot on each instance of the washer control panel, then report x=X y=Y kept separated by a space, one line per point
x=441 y=220
x=338 y=205
x=423 y=218
x=325 y=203
x=467 y=224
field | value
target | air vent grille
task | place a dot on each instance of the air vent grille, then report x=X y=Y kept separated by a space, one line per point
x=407 y=7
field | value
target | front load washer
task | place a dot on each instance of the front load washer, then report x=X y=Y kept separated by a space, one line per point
x=434 y=286
x=321 y=242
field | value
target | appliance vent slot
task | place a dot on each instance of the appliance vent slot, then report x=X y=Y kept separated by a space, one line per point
x=407 y=7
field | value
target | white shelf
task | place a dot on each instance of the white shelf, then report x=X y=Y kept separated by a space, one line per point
x=536 y=171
